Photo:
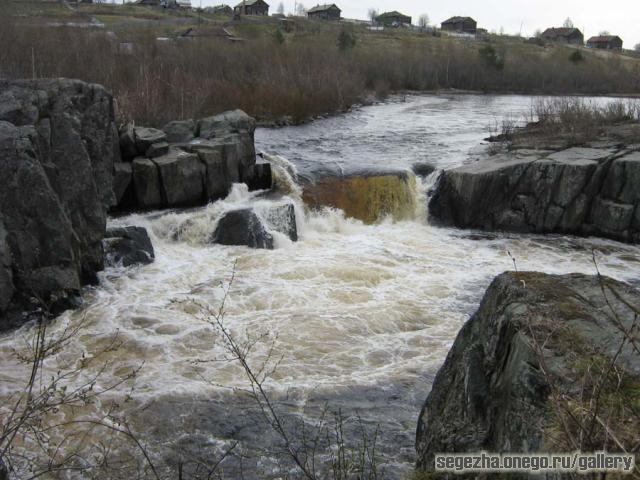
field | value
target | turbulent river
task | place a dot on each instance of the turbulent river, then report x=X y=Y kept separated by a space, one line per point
x=361 y=316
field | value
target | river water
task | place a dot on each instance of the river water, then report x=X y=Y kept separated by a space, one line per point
x=360 y=316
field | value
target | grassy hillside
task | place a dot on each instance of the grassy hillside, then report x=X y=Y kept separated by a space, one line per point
x=297 y=70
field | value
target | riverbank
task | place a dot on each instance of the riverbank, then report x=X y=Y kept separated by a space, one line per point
x=304 y=75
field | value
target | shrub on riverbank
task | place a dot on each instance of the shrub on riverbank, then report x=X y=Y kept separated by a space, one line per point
x=307 y=75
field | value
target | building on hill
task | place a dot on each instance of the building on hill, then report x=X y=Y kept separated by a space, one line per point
x=571 y=35
x=393 y=19
x=220 y=10
x=460 y=25
x=252 y=7
x=325 y=12
x=605 y=42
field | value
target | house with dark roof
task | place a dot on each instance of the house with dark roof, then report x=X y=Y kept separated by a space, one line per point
x=325 y=12
x=393 y=19
x=251 y=7
x=569 y=35
x=460 y=25
x=605 y=42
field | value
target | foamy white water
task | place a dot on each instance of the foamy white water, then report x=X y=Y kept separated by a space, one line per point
x=364 y=315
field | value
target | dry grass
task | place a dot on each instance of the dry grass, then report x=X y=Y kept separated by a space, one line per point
x=305 y=76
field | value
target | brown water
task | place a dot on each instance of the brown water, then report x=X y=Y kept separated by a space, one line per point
x=362 y=316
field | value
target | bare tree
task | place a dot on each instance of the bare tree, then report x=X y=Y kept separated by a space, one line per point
x=423 y=20
x=372 y=14
x=568 y=23
x=301 y=10
x=604 y=33
x=281 y=8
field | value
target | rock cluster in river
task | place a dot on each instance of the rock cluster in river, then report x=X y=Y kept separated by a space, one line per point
x=580 y=191
x=58 y=145
x=64 y=165
x=187 y=163
x=491 y=393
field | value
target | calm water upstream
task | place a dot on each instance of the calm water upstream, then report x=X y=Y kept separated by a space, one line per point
x=364 y=315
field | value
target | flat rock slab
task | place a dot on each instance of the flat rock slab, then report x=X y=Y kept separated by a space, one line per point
x=578 y=155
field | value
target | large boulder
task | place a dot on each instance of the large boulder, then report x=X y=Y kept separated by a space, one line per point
x=180 y=131
x=528 y=349
x=145 y=137
x=581 y=191
x=128 y=246
x=182 y=177
x=122 y=181
x=242 y=227
x=58 y=145
x=146 y=180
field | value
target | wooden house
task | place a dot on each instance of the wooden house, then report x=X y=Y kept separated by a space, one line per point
x=393 y=19
x=325 y=12
x=252 y=7
x=605 y=42
x=569 y=35
x=460 y=25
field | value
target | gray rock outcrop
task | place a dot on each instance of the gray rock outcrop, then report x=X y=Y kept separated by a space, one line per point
x=128 y=246
x=580 y=191
x=533 y=335
x=58 y=145
x=189 y=163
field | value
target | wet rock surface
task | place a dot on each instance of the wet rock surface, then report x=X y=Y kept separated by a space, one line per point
x=189 y=162
x=242 y=227
x=581 y=191
x=491 y=393
x=58 y=145
x=128 y=246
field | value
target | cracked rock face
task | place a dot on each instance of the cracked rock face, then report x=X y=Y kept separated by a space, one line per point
x=491 y=393
x=580 y=191
x=58 y=145
x=189 y=163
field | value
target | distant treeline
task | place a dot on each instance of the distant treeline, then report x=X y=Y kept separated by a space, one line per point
x=299 y=77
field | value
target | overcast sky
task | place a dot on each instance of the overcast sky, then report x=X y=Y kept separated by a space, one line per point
x=620 y=17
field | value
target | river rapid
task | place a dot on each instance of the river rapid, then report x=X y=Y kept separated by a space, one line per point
x=360 y=316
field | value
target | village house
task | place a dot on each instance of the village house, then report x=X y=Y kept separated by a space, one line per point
x=393 y=19
x=605 y=42
x=569 y=35
x=325 y=12
x=460 y=25
x=220 y=10
x=252 y=7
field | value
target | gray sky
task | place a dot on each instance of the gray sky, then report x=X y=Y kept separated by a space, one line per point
x=620 y=17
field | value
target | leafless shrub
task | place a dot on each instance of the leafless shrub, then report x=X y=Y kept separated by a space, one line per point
x=319 y=451
x=596 y=406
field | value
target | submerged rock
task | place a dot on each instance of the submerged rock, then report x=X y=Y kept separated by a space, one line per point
x=56 y=173
x=423 y=169
x=493 y=391
x=581 y=191
x=128 y=246
x=369 y=197
x=242 y=227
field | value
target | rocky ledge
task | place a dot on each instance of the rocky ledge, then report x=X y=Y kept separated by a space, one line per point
x=533 y=351
x=64 y=165
x=584 y=191
x=58 y=145
x=187 y=163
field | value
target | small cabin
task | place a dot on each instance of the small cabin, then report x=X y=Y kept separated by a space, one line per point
x=220 y=10
x=572 y=36
x=252 y=7
x=605 y=42
x=393 y=19
x=325 y=12
x=460 y=25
